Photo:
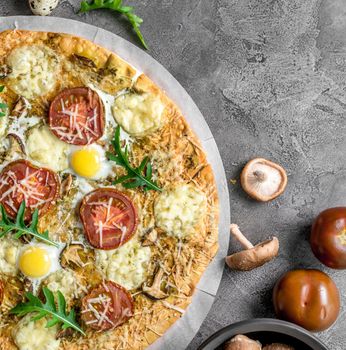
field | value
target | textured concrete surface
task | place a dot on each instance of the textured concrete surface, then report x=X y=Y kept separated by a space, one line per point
x=270 y=78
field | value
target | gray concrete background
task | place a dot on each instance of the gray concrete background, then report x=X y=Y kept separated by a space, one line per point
x=270 y=79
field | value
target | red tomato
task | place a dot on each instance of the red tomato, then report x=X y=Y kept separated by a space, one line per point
x=22 y=181
x=328 y=237
x=308 y=298
x=109 y=218
x=76 y=116
x=107 y=306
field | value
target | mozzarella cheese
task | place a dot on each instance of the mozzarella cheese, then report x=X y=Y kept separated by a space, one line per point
x=34 y=70
x=67 y=282
x=126 y=265
x=139 y=115
x=9 y=249
x=46 y=149
x=30 y=335
x=178 y=210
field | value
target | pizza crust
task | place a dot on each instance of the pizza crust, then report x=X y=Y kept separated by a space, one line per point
x=173 y=146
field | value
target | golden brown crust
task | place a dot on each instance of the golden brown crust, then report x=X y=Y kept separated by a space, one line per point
x=177 y=157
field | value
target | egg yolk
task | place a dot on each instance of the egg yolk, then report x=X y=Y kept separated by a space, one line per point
x=34 y=262
x=85 y=162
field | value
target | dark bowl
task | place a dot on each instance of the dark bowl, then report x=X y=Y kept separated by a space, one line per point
x=267 y=331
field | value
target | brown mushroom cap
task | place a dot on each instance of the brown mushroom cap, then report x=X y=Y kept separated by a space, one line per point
x=249 y=259
x=241 y=342
x=263 y=180
x=278 y=346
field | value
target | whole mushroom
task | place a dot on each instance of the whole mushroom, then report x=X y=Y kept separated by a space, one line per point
x=43 y=7
x=241 y=342
x=252 y=256
x=263 y=180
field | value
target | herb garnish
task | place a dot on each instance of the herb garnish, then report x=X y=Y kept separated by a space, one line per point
x=56 y=312
x=136 y=177
x=116 y=5
x=19 y=226
x=3 y=106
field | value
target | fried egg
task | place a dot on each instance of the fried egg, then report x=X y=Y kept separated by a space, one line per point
x=89 y=162
x=37 y=260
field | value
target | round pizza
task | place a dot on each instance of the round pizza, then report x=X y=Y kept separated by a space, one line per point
x=109 y=208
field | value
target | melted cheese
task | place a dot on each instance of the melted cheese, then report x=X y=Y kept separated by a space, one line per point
x=34 y=70
x=139 y=115
x=30 y=335
x=179 y=209
x=46 y=149
x=9 y=249
x=126 y=265
x=67 y=282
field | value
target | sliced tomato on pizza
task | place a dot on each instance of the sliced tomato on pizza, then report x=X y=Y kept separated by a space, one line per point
x=76 y=116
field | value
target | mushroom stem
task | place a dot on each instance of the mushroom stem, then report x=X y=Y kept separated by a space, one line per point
x=240 y=237
x=260 y=175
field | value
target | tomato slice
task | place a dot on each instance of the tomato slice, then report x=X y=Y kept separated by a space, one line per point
x=107 y=306
x=109 y=218
x=76 y=116
x=22 y=181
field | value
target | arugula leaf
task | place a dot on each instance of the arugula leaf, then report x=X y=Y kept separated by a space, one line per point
x=135 y=177
x=20 y=227
x=116 y=5
x=3 y=106
x=56 y=312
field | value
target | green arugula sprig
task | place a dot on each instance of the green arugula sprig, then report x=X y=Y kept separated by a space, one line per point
x=3 y=106
x=135 y=177
x=20 y=228
x=55 y=312
x=116 y=5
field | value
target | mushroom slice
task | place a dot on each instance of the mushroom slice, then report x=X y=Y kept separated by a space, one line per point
x=278 y=346
x=263 y=180
x=252 y=256
x=5 y=70
x=75 y=255
x=150 y=238
x=241 y=342
x=155 y=291
x=21 y=107
x=84 y=61
x=16 y=146
x=66 y=185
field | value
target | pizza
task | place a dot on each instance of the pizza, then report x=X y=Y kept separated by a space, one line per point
x=109 y=207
